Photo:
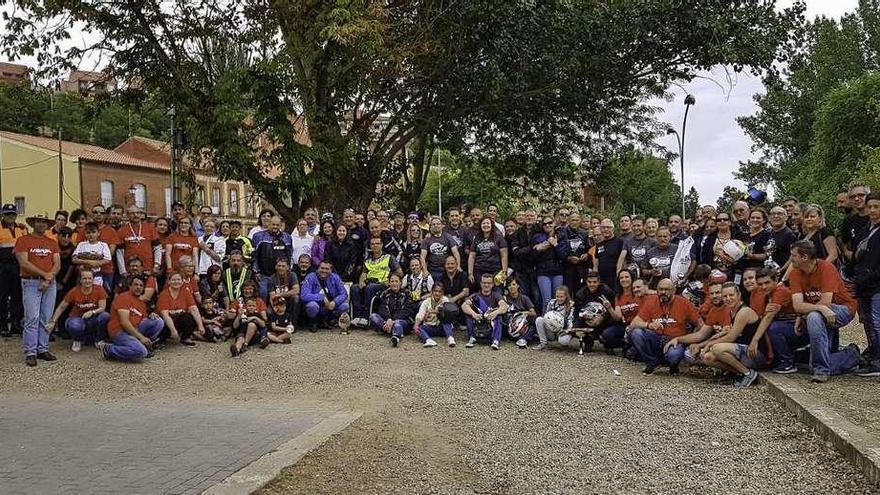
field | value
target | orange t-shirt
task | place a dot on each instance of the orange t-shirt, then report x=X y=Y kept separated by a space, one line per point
x=80 y=302
x=138 y=241
x=629 y=306
x=823 y=279
x=779 y=295
x=192 y=285
x=183 y=301
x=674 y=315
x=716 y=315
x=181 y=245
x=137 y=311
x=40 y=251
x=108 y=234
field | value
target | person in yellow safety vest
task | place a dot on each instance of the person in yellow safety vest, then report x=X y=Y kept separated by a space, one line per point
x=236 y=275
x=374 y=279
x=11 y=309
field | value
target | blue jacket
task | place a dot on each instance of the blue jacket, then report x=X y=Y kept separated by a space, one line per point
x=311 y=290
x=268 y=248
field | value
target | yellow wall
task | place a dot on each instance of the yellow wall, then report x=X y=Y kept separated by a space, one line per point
x=31 y=172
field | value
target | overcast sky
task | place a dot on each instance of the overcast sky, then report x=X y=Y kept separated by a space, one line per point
x=714 y=142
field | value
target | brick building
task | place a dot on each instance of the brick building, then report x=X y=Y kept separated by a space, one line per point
x=13 y=73
x=88 y=83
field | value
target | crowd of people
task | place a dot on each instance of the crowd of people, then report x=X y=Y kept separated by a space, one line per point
x=738 y=291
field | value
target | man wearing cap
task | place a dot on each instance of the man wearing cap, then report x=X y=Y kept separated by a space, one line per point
x=39 y=262
x=11 y=310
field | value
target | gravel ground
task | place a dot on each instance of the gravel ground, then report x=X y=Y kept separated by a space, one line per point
x=475 y=421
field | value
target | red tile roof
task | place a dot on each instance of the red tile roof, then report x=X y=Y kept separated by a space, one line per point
x=85 y=151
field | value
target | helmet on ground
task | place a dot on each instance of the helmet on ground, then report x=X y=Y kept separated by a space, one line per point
x=736 y=249
x=518 y=325
x=554 y=321
x=449 y=312
x=591 y=311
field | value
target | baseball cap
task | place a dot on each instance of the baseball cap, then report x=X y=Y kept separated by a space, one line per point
x=8 y=208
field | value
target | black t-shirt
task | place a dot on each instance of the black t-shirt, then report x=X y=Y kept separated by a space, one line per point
x=607 y=253
x=484 y=303
x=438 y=248
x=637 y=249
x=757 y=244
x=662 y=258
x=519 y=303
x=817 y=238
x=779 y=245
x=487 y=254
x=850 y=228
x=458 y=234
x=453 y=287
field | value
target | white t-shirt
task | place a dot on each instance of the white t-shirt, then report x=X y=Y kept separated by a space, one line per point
x=301 y=245
x=99 y=248
x=254 y=230
x=216 y=243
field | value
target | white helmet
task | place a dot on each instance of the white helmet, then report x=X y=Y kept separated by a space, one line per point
x=736 y=249
x=519 y=324
x=591 y=311
x=554 y=321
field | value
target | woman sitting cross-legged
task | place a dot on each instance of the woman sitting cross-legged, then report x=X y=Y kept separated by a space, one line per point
x=428 y=322
x=394 y=313
x=178 y=309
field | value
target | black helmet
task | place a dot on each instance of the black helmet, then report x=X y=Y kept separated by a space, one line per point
x=449 y=312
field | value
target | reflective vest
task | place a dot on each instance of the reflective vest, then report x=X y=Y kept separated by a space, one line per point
x=378 y=269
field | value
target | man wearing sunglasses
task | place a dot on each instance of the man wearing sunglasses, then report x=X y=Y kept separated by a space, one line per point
x=854 y=226
x=741 y=214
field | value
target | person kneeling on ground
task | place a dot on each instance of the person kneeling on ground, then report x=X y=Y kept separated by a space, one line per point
x=484 y=309
x=132 y=334
x=660 y=320
x=716 y=324
x=557 y=321
x=178 y=309
x=87 y=321
x=593 y=303
x=428 y=324
x=281 y=323
x=250 y=327
x=324 y=296
x=522 y=330
x=394 y=312
x=212 y=318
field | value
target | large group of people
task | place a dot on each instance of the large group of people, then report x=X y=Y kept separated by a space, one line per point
x=737 y=291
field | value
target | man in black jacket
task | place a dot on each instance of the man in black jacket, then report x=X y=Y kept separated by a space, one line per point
x=866 y=276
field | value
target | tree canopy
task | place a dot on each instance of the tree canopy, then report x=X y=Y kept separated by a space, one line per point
x=526 y=86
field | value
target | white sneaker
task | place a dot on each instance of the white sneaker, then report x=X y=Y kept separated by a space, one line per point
x=521 y=343
x=430 y=343
x=76 y=346
x=494 y=345
x=450 y=341
x=471 y=342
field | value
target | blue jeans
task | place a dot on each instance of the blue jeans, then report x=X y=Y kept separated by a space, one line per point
x=650 y=345
x=427 y=331
x=315 y=310
x=785 y=341
x=91 y=330
x=548 y=285
x=823 y=359
x=471 y=328
x=612 y=337
x=124 y=347
x=360 y=298
x=398 y=328
x=38 y=308
x=870 y=307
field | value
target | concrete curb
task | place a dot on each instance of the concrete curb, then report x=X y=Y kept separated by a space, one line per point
x=851 y=440
x=256 y=474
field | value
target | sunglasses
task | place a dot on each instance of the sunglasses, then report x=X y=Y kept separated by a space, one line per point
x=99 y=212
x=722 y=219
x=857 y=195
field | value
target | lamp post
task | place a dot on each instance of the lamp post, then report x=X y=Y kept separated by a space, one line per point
x=688 y=101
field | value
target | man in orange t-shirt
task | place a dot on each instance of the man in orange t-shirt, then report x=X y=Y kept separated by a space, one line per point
x=660 y=320
x=716 y=318
x=131 y=332
x=39 y=261
x=819 y=297
x=137 y=239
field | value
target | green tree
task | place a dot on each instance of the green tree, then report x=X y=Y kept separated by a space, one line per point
x=636 y=181
x=22 y=107
x=729 y=195
x=517 y=86
x=692 y=203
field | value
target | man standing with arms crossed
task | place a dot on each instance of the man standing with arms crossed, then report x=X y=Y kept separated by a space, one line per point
x=40 y=261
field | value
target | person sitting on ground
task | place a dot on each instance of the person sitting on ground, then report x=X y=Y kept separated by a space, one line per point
x=593 y=301
x=283 y=283
x=393 y=313
x=518 y=302
x=304 y=267
x=560 y=308
x=484 y=308
x=323 y=296
x=87 y=321
x=132 y=334
x=281 y=324
x=716 y=324
x=212 y=318
x=378 y=267
x=416 y=282
x=660 y=320
x=772 y=302
x=626 y=306
x=731 y=352
x=455 y=283
x=427 y=322
x=821 y=299
x=249 y=326
x=212 y=286
x=136 y=269
x=95 y=255
x=178 y=309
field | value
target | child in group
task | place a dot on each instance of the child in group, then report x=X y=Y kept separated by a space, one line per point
x=250 y=326
x=94 y=254
x=212 y=318
x=280 y=322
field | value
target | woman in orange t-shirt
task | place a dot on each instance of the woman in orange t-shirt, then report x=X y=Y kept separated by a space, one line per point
x=181 y=243
x=626 y=307
x=87 y=321
x=177 y=307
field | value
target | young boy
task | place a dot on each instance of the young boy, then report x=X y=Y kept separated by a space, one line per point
x=212 y=318
x=94 y=254
x=280 y=323
x=254 y=322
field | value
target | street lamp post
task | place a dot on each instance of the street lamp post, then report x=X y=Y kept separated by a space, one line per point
x=688 y=101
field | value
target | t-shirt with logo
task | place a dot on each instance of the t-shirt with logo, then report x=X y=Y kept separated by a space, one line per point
x=138 y=241
x=182 y=302
x=629 y=306
x=487 y=254
x=674 y=316
x=95 y=251
x=662 y=258
x=275 y=285
x=823 y=279
x=80 y=302
x=637 y=249
x=137 y=311
x=457 y=234
x=40 y=251
x=780 y=295
x=438 y=248
x=181 y=245
x=779 y=245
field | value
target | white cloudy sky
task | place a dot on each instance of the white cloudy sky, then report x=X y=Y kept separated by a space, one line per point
x=714 y=143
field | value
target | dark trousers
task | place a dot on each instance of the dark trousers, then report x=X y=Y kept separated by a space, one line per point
x=11 y=309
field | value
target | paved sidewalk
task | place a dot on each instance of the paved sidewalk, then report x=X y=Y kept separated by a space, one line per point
x=137 y=447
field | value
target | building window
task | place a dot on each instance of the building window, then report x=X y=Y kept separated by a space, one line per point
x=200 y=196
x=233 y=201
x=140 y=196
x=215 y=200
x=19 y=205
x=167 y=201
x=106 y=193
x=249 y=204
